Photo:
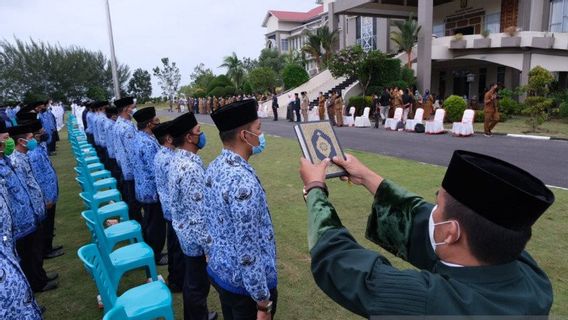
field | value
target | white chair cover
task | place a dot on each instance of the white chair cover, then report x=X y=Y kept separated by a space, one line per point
x=411 y=123
x=263 y=110
x=313 y=114
x=363 y=121
x=465 y=127
x=349 y=120
x=391 y=123
x=436 y=126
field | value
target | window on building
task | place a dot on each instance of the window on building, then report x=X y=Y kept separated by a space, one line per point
x=558 y=16
x=283 y=45
x=366 y=35
x=493 y=22
x=439 y=30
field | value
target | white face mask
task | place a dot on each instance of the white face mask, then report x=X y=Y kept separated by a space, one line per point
x=432 y=226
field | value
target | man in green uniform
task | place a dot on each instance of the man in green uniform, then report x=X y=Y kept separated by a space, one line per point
x=469 y=248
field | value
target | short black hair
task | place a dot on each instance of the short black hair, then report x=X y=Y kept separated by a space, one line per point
x=230 y=135
x=489 y=242
x=162 y=139
x=143 y=124
x=179 y=140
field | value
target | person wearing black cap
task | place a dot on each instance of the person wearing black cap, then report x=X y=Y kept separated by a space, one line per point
x=469 y=247
x=15 y=292
x=186 y=185
x=125 y=134
x=242 y=262
x=49 y=124
x=45 y=174
x=143 y=152
x=162 y=165
x=31 y=249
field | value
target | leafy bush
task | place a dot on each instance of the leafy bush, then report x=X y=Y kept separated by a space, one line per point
x=401 y=84
x=563 y=110
x=294 y=75
x=537 y=109
x=375 y=90
x=479 y=116
x=508 y=107
x=540 y=80
x=221 y=81
x=407 y=75
x=359 y=102
x=262 y=79
x=454 y=106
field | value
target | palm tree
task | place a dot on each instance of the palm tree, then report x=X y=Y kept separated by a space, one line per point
x=235 y=69
x=406 y=36
x=313 y=46
x=327 y=39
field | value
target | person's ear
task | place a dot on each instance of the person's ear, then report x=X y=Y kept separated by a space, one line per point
x=453 y=232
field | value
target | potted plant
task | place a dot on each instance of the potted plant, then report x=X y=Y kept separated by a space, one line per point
x=484 y=42
x=511 y=40
x=458 y=42
x=545 y=42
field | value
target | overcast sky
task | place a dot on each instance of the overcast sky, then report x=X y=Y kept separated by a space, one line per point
x=186 y=31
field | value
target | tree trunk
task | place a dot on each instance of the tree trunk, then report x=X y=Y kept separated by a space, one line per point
x=409 y=55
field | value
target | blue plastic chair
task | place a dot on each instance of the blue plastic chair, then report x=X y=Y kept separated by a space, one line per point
x=147 y=301
x=127 y=258
x=99 y=199
x=129 y=230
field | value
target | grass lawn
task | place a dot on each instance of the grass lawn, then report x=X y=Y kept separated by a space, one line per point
x=277 y=167
x=517 y=125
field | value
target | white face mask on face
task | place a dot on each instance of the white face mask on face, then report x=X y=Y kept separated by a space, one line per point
x=432 y=226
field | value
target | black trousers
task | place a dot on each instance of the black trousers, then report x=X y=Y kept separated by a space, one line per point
x=154 y=228
x=90 y=138
x=51 y=145
x=134 y=207
x=290 y=113
x=297 y=111
x=30 y=250
x=176 y=258
x=275 y=112
x=195 y=289
x=241 y=307
x=48 y=230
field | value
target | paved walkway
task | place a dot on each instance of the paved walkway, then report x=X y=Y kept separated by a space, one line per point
x=548 y=160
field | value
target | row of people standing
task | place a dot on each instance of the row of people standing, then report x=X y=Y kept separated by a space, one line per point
x=28 y=196
x=219 y=228
x=332 y=104
x=407 y=99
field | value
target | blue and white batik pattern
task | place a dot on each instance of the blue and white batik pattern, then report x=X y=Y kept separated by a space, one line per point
x=24 y=221
x=101 y=129
x=145 y=147
x=89 y=116
x=125 y=134
x=44 y=173
x=109 y=137
x=48 y=123
x=23 y=168
x=242 y=259
x=186 y=184
x=162 y=165
x=16 y=297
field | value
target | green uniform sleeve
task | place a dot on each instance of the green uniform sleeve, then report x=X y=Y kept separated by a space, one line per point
x=399 y=223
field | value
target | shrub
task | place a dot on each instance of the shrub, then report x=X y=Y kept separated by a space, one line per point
x=508 y=107
x=536 y=108
x=479 y=116
x=294 y=75
x=407 y=75
x=454 y=106
x=401 y=84
x=359 y=102
x=563 y=110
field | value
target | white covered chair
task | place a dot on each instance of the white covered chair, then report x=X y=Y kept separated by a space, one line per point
x=349 y=120
x=391 y=123
x=437 y=125
x=313 y=114
x=263 y=110
x=418 y=118
x=363 y=121
x=465 y=127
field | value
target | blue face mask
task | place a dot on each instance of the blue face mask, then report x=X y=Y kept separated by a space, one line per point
x=32 y=144
x=261 y=143
x=202 y=141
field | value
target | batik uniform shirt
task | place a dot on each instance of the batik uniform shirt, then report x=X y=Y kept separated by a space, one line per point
x=162 y=165
x=90 y=118
x=242 y=259
x=186 y=183
x=125 y=134
x=44 y=173
x=48 y=124
x=109 y=137
x=23 y=168
x=24 y=221
x=101 y=130
x=95 y=124
x=16 y=297
x=145 y=149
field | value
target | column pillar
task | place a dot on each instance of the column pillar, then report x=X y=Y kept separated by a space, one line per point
x=424 y=54
x=382 y=34
x=527 y=57
x=537 y=15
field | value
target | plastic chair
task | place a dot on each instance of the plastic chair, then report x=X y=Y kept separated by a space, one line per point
x=128 y=230
x=391 y=123
x=363 y=121
x=349 y=121
x=437 y=125
x=147 y=301
x=465 y=127
x=411 y=123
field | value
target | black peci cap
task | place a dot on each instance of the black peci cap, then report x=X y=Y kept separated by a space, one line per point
x=183 y=124
x=145 y=114
x=235 y=115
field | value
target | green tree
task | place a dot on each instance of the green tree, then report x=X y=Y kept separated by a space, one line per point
x=235 y=69
x=270 y=58
x=294 y=75
x=35 y=68
x=168 y=78
x=262 y=79
x=328 y=40
x=313 y=47
x=406 y=36
x=540 y=80
x=249 y=64
x=221 y=86
x=200 y=78
x=140 y=85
